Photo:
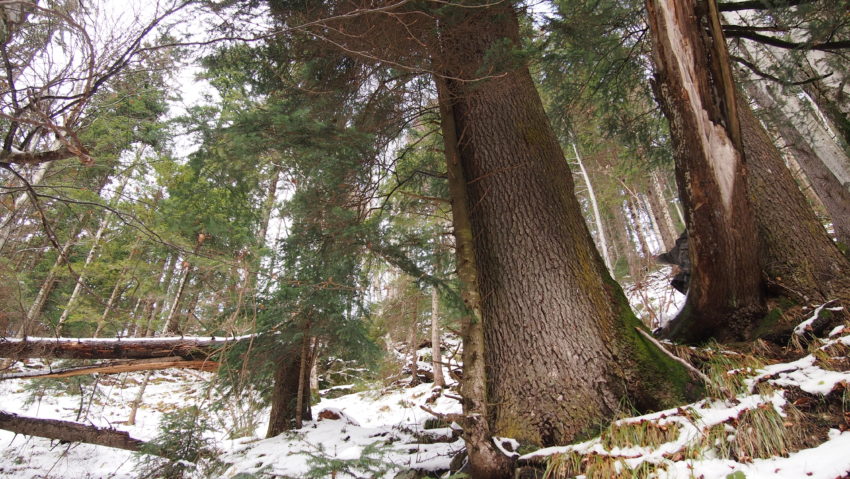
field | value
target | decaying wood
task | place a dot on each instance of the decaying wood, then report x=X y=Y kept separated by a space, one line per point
x=69 y=431
x=188 y=348
x=115 y=367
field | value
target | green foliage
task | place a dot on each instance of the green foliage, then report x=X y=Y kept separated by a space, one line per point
x=372 y=462
x=183 y=446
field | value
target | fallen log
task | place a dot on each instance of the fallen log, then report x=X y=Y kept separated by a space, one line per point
x=69 y=431
x=188 y=348
x=119 y=366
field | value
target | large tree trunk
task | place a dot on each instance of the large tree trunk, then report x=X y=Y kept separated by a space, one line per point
x=291 y=373
x=485 y=460
x=833 y=195
x=69 y=431
x=798 y=256
x=552 y=374
x=695 y=88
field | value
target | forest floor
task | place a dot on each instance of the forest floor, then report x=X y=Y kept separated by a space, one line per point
x=768 y=414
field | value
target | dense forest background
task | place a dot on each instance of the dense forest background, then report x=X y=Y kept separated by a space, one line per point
x=344 y=182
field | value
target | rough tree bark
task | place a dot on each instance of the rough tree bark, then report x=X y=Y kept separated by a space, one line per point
x=90 y=348
x=436 y=355
x=291 y=372
x=69 y=431
x=540 y=276
x=798 y=256
x=485 y=460
x=695 y=88
x=832 y=194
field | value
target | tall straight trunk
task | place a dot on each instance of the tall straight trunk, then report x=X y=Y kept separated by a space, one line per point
x=81 y=277
x=141 y=321
x=47 y=285
x=485 y=460
x=833 y=195
x=659 y=192
x=636 y=226
x=116 y=290
x=436 y=355
x=172 y=323
x=615 y=249
x=303 y=379
x=661 y=214
x=694 y=85
x=412 y=343
x=552 y=374
x=799 y=257
x=831 y=111
x=803 y=113
x=653 y=217
x=623 y=236
x=78 y=285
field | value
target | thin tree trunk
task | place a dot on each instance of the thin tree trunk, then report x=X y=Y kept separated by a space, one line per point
x=172 y=325
x=303 y=379
x=412 y=345
x=137 y=401
x=78 y=285
x=436 y=355
x=661 y=214
x=659 y=192
x=695 y=88
x=646 y=205
x=624 y=238
x=485 y=460
x=47 y=285
x=637 y=228
x=600 y=229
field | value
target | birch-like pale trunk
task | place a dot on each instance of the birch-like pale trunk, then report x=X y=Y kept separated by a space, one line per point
x=46 y=287
x=78 y=286
x=597 y=218
x=436 y=355
x=6 y=224
x=668 y=228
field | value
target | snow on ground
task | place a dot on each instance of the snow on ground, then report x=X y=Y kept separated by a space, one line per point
x=653 y=299
x=386 y=427
x=380 y=432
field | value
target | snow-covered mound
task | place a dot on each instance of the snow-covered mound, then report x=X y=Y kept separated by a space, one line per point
x=738 y=432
